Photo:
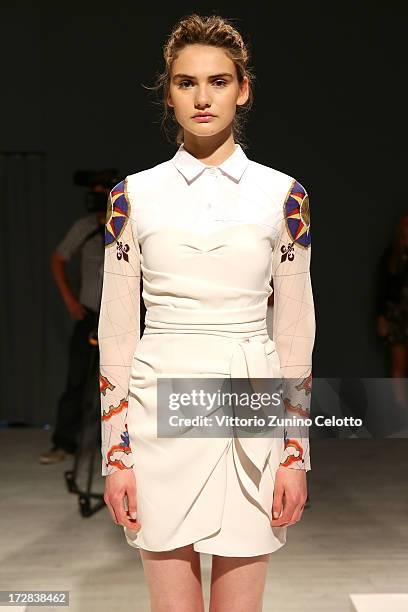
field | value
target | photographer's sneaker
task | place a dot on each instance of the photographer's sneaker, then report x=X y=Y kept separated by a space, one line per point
x=55 y=455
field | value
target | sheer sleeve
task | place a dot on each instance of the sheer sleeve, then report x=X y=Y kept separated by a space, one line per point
x=294 y=321
x=118 y=329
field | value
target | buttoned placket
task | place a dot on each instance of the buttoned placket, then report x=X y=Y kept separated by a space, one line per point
x=211 y=177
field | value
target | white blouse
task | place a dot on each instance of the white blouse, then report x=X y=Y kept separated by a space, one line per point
x=183 y=192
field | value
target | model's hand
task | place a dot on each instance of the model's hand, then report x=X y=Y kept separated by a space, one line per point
x=75 y=309
x=118 y=486
x=289 y=496
x=382 y=326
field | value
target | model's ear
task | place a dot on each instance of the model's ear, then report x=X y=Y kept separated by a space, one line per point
x=243 y=92
x=169 y=100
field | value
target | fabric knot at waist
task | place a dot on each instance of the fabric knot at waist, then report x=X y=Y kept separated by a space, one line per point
x=252 y=356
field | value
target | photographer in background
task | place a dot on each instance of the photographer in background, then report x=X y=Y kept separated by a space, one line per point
x=86 y=237
x=392 y=308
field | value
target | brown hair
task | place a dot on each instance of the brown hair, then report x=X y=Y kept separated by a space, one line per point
x=218 y=32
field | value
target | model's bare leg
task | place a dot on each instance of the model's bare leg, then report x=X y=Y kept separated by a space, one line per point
x=174 y=580
x=399 y=371
x=238 y=583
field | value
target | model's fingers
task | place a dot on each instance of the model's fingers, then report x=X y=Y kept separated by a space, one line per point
x=111 y=511
x=120 y=515
x=293 y=510
x=131 y=504
x=296 y=515
x=277 y=504
x=119 y=509
x=107 y=500
x=289 y=506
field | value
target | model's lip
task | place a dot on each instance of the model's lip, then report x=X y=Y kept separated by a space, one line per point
x=203 y=115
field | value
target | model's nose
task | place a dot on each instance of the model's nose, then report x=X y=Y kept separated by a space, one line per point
x=202 y=100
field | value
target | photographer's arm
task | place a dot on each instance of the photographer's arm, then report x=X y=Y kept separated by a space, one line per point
x=58 y=269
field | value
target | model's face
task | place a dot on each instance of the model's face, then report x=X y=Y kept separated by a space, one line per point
x=204 y=79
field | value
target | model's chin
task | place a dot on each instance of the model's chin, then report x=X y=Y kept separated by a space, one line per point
x=209 y=128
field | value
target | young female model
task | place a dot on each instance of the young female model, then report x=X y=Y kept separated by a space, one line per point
x=207 y=230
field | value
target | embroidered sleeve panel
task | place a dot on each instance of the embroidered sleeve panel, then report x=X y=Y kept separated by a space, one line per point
x=294 y=320
x=119 y=328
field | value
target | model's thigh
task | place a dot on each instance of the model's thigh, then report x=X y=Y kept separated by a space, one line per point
x=174 y=579
x=238 y=583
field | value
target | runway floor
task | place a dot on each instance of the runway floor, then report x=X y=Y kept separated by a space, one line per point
x=353 y=538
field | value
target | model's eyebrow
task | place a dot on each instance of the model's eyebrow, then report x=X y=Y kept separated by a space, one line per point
x=212 y=76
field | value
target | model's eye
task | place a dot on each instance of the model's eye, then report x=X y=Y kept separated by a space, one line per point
x=220 y=82
x=184 y=84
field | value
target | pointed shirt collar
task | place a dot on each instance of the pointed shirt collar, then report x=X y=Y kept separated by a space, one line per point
x=190 y=167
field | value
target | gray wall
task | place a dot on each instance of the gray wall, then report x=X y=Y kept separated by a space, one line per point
x=327 y=111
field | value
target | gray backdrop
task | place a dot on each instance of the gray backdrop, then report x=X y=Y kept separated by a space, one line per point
x=327 y=111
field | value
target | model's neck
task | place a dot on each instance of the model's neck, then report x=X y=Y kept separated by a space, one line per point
x=212 y=151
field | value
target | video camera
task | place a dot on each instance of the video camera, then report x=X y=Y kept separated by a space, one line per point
x=99 y=183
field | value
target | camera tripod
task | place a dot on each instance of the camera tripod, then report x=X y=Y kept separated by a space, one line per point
x=80 y=479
